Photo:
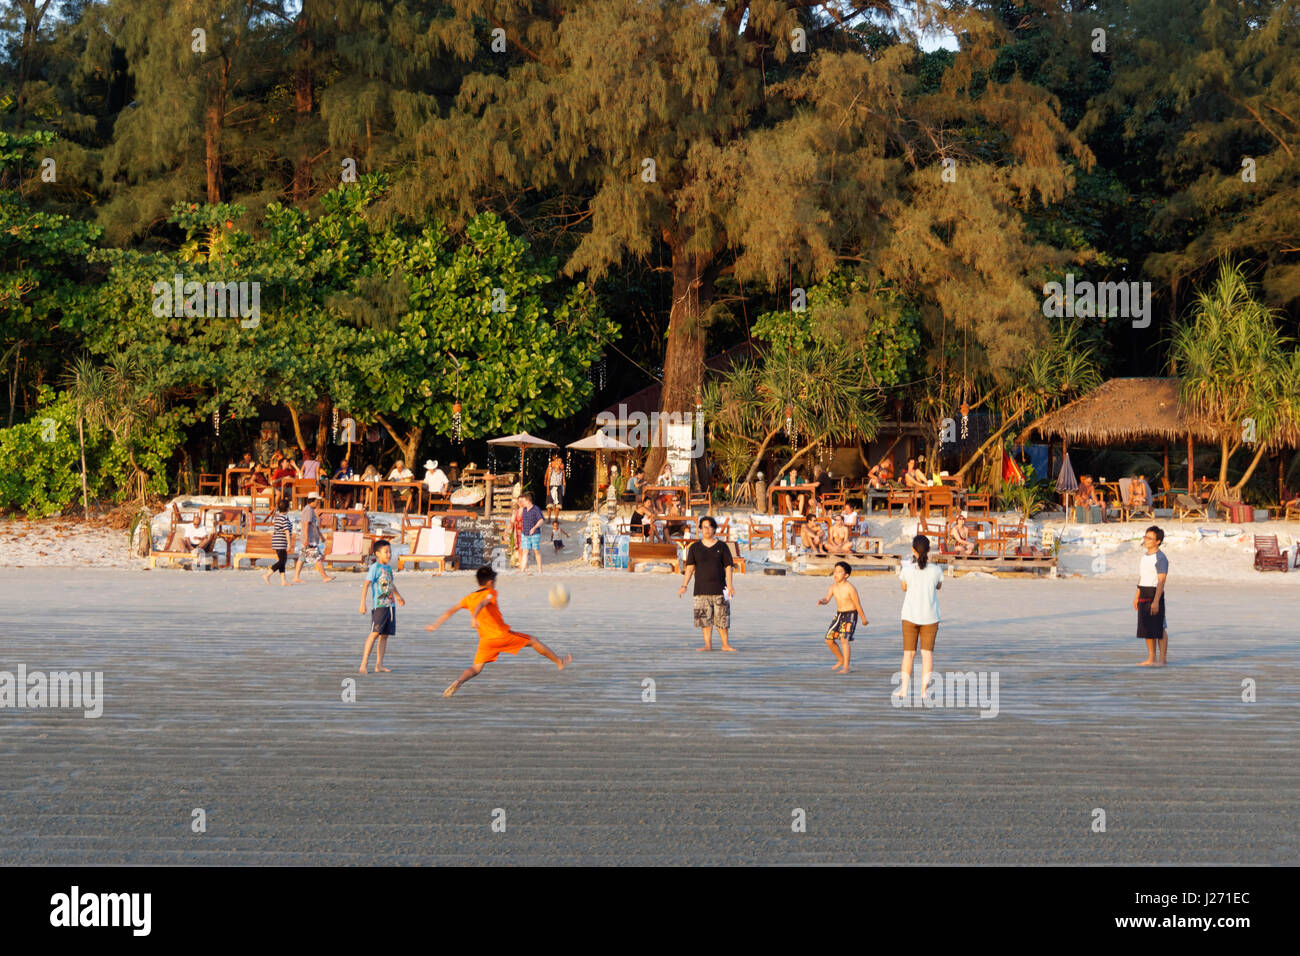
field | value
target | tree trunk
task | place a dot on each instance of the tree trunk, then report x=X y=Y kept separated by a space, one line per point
x=684 y=355
x=408 y=445
x=1224 y=455
x=213 y=121
x=979 y=452
x=799 y=454
x=81 y=440
x=1250 y=470
x=303 y=104
x=758 y=458
x=297 y=429
x=322 y=428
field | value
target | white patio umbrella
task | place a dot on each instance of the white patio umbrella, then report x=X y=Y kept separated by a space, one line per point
x=523 y=441
x=598 y=443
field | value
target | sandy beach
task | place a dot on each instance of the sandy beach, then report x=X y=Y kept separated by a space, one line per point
x=224 y=694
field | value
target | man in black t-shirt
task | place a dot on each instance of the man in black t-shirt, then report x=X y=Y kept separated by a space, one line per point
x=709 y=561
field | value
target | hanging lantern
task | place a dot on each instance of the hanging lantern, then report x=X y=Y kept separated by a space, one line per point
x=965 y=421
x=568 y=464
x=335 y=428
x=789 y=421
x=455 y=422
x=601 y=373
x=216 y=420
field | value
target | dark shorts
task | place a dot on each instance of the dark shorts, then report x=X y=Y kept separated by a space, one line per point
x=1151 y=627
x=383 y=620
x=845 y=623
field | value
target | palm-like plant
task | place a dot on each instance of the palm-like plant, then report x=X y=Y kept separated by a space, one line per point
x=1234 y=369
x=87 y=386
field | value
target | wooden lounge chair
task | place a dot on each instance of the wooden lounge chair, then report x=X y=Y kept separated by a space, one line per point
x=257 y=547
x=1267 y=555
x=1128 y=510
x=176 y=548
x=432 y=546
x=345 y=547
x=1185 y=506
x=700 y=499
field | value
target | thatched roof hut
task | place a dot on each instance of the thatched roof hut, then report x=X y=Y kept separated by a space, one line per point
x=1122 y=411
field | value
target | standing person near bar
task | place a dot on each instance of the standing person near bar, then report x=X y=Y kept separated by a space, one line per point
x=709 y=561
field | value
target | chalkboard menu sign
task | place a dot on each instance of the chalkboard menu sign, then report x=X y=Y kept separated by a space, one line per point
x=470 y=549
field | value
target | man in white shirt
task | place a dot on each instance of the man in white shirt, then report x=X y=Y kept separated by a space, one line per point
x=400 y=472
x=1149 y=602
x=435 y=479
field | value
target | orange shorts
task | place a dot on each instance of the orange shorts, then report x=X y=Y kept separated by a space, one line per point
x=490 y=646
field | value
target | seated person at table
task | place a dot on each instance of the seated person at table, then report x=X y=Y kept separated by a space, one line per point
x=371 y=474
x=1087 y=495
x=887 y=470
x=400 y=472
x=1139 y=492
x=674 y=507
x=849 y=515
x=286 y=469
x=837 y=542
x=811 y=536
x=643 y=518
x=914 y=477
x=343 y=472
x=635 y=482
x=825 y=483
x=960 y=536
x=244 y=480
x=875 y=477
x=200 y=539
x=435 y=479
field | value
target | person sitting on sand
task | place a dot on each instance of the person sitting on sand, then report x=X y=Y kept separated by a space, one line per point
x=848 y=611
x=849 y=515
x=960 y=537
x=837 y=542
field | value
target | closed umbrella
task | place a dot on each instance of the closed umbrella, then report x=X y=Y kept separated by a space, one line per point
x=1066 y=483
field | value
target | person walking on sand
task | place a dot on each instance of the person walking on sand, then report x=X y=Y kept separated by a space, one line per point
x=494 y=636
x=281 y=529
x=1149 y=602
x=530 y=532
x=383 y=614
x=554 y=487
x=709 y=562
x=311 y=554
x=848 y=610
x=921 y=580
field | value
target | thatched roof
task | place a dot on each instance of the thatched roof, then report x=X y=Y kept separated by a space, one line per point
x=1123 y=410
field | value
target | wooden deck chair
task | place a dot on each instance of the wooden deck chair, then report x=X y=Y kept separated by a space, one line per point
x=977 y=500
x=412 y=525
x=262 y=501
x=298 y=488
x=1267 y=555
x=1185 y=506
x=937 y=533
x=700 y=499
x=257 y=546
x=761 y=532
x=345 y=547
x=1292 y=512
x=432 y=546
x=1129 y=511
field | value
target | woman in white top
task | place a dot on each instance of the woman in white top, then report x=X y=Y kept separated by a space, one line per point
x=921 y=580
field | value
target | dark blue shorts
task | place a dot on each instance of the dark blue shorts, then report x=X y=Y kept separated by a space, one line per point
x=383 y=620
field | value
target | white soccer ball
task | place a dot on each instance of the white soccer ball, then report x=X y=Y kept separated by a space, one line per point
x=559 y=596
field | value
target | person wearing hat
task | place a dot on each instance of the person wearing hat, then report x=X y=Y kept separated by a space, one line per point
x=435 y=479
x=312 y=550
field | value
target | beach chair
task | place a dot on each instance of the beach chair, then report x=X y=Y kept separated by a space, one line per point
x=345 y=547
x=1267 y=555
x=257 y=546
x=176 y=548
x=298 y=488
x=412 y=525
x=1292 y=512
x=760 y=532
x=432 y=546
x=937 y=533
x=1185 y=506
x=209 y=482
x=700 y=499
x=1128 y=511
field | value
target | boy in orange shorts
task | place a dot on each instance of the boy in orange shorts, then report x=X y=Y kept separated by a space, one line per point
x=494 y=635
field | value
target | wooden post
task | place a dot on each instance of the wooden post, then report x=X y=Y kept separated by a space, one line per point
x=1191 y=471
x=487 y=502
x=1166 y=464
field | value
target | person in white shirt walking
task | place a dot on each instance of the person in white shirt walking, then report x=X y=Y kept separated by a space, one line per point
x=1149 y=602
x=921 y=580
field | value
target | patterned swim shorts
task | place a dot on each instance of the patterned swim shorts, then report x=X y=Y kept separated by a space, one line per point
x=712 y=610
x=310 y=555
x=845 y=623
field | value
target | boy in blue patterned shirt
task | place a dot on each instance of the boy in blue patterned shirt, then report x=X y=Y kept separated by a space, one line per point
x=383 y=615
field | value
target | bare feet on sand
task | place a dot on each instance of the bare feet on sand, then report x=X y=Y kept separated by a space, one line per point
x=706 y=647
x=363 y=669
x=382 y=670
x=1147 y=663
x=565 y=661
x=728 y=647
x=451 y=688
x=901 y=692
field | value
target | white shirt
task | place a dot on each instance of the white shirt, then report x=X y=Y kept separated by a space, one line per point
x=403 y=475
x=436 y=481
x=921 y=602
x=1150 y=566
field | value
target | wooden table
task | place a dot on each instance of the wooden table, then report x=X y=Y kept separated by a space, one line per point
x=683 y=490
x=366 y=490
x=388 y=487
x=233 y=470
x=786 y=491
x=671 y=522
x=223 y=519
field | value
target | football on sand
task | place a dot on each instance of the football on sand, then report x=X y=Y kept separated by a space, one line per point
x=559 y=596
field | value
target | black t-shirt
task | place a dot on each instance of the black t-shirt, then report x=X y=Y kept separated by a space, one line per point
x=710 y=565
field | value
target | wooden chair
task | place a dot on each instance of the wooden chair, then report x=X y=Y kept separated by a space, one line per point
x=860 y=535
x=176 y=548
x=1128 y=510
x=833 y=499
x=1292 y=512
x=696 y=499
x=298 y=489
x=1185 y=506
x=937 y=499
x=904 y=497
x=978 y=500
x=760 y=532
x=338 y=519
x=1267 y=555
x=260 y=501
x=207 y=480
x=432 y=546
x=412 y=525
x=937 y=533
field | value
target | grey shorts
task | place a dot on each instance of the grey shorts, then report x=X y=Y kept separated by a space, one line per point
x=712 y=610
